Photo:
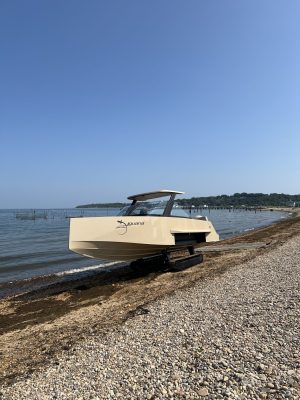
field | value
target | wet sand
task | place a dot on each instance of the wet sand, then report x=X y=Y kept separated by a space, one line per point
x=37 y=326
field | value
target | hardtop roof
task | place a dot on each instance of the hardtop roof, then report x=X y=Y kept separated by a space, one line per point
x=153 y=195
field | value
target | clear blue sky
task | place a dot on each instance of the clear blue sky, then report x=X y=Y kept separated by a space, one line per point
x=102 y=99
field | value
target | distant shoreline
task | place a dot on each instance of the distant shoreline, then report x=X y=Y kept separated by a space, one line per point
x=237 y=200
x=247 y=208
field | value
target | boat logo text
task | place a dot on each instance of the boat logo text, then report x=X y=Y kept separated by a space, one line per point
x=124 y=226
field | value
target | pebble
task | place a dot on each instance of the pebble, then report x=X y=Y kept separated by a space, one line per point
x=224 y=338
x=203 y=392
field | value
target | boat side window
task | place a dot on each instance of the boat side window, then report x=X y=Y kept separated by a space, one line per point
x=136 y=211
x=139 y=211
x=176 y=212
x=179 y=212
x=123 y=211
x=156 y=211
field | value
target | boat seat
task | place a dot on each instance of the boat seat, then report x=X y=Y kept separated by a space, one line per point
x=143 y=212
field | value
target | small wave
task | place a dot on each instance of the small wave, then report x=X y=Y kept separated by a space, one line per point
x=84 y=269
x=249 y=229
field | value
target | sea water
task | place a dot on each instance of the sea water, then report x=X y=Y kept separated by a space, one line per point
x=35 y=243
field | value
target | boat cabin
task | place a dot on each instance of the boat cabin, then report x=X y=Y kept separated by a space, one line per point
x=142 y=206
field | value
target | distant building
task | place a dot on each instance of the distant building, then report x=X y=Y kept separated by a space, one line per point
x=293 y=203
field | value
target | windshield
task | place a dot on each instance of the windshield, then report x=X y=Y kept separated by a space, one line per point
x=153 y=209
x=140 y=210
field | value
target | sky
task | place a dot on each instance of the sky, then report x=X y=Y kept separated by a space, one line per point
x=103 y=99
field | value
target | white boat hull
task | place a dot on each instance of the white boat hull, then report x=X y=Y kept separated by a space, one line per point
x=133 y=237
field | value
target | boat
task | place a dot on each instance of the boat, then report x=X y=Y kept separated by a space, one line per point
x=146 y=227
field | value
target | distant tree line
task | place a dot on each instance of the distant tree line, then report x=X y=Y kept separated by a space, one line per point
x=243 y=199
x=224 y=200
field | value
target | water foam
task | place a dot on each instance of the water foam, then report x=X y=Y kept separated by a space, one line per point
x=84 y=269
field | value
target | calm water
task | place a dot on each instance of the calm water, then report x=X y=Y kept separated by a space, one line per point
x=38 y=247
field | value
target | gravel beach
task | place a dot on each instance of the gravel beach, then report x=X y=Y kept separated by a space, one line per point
x=234 y=335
